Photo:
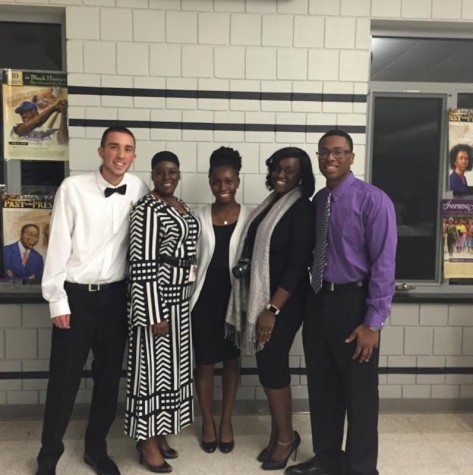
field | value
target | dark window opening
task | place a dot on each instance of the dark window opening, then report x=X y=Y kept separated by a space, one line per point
x=406 y=165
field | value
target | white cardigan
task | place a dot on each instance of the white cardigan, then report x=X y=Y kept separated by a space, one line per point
x=206 y=246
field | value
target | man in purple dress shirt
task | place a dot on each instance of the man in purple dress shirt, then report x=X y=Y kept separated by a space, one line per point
x=344 y=319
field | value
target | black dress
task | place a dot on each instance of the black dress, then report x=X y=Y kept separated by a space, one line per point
x=290 y=252
x=208 y=315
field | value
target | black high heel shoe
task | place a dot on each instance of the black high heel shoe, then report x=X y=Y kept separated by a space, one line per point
x=209 y=447
x=264 y=455
x=163 y=468
x=271 y=464
x=166 y=453
x=227 y=447
x=169 y=453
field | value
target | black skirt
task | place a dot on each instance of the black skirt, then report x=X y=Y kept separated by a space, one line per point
x=208 y=315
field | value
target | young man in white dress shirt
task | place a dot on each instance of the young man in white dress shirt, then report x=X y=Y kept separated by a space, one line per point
x=84 y=283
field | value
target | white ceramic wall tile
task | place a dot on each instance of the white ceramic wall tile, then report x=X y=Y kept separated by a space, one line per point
x=309 y=31
x=165 y=60
x=323 y=64
x=149 y=25
x=277 y=30
x=197 y=61
x=386 y=9
x=245 y=29
x=324 y=7
x=229 y=62
x=214 y=28
x=181 y=27
x=417 y=9
x=447 y=11
x=261 y=63
x=116 y=24
x=82 y=23
x=292 y=64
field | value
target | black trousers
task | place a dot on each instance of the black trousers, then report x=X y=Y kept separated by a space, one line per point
x=98 y=323
x=339 y=385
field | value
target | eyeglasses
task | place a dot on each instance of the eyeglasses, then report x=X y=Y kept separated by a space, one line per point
x=337 y=154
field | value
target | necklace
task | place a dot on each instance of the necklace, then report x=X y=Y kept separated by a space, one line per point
x=227 y=217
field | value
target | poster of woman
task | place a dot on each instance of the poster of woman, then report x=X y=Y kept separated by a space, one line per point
x=460 y=140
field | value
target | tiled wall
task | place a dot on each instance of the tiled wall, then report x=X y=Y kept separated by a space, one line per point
x=257 y=75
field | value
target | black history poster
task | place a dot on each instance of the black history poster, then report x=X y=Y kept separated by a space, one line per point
x=35 y=115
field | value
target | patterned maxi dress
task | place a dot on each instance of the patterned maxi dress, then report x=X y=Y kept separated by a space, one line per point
x=159 y=386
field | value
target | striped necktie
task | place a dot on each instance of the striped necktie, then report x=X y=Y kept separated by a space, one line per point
x=318 y=263
x=24 y=258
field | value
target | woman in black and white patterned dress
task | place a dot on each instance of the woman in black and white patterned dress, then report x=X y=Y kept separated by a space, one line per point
x=163 y=236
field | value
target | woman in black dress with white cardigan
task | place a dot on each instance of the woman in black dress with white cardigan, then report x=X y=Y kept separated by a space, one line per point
x=221 y=223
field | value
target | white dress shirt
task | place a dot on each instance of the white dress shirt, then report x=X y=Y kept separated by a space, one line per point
x=88 y=239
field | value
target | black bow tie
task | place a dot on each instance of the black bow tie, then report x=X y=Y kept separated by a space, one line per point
x=110 y=191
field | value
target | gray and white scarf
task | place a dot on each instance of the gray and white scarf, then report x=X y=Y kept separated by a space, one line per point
x=249 y=297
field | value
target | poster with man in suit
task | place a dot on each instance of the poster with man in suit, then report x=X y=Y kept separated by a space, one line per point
x=25 y=237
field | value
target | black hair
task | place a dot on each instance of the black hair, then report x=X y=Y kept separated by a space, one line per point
x=116 y=128
x=307 y=179
x=165 y=156
x=225 y=156
x=30 y=225
x=461 y=147
x=339 y=133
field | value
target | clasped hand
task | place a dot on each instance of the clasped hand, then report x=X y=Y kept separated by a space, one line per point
x=161 y=328
x=264 y=326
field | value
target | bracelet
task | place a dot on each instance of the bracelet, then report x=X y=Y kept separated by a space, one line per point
x=273 y=309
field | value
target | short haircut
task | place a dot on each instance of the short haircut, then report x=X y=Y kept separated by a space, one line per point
x=31 y=225
x=307 y=183
x=225 y=156
x=338 y=133
x=116 y=128
x=461 y=147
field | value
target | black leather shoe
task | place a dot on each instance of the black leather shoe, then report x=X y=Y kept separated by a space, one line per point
x=46 y=470
x=264 y=455
x=227 y=447
x=169 y=453
x=163 y=468
x=209 y=447
x=102 y=464
x=311 y=467
x=271 y=464
x=166 y=453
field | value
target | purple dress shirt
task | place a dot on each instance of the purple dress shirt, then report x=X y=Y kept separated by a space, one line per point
x=362 y=240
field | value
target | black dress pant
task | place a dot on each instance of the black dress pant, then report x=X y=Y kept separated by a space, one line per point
x=98 y=323
x=339 y=385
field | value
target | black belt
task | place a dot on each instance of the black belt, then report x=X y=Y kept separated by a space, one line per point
x=333 y=287
x=176 y=262
x=93 y=287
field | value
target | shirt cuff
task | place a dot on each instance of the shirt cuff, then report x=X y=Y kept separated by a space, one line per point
x=61 y=307
x=374 y=320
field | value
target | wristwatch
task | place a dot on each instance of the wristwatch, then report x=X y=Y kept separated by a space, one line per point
x=373 y=329
x=274 y=310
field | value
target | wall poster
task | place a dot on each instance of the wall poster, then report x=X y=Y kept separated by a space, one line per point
x=460 y=146
x=35 y=115
x=26 y=221
x=457 y=231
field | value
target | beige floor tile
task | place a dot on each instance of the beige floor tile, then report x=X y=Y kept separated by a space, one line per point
x=410 y=444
